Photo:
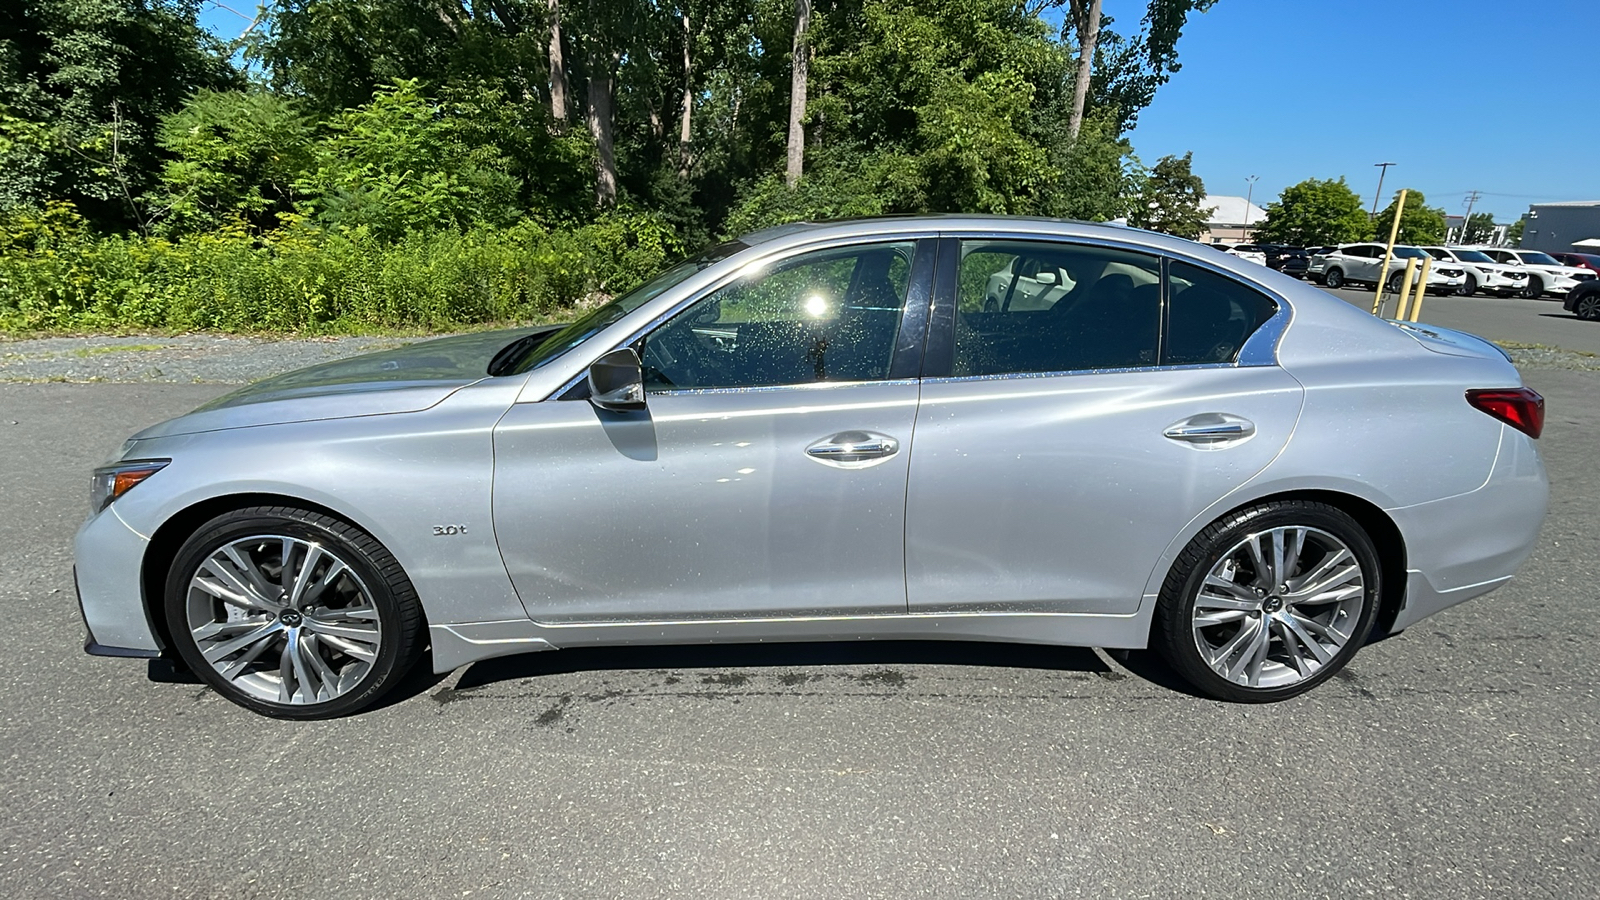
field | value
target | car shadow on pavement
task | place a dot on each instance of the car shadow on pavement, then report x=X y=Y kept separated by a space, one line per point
x=785 y=655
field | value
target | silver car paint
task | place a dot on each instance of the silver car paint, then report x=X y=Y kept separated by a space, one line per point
x=1382 y=419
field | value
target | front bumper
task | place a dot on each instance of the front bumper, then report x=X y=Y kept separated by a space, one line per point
x=110 y=560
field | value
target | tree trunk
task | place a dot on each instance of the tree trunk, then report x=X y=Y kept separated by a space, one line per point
x=558 y=66
x=605 y=167
x=1086 y=21
x=685 y=133
x=800 y=66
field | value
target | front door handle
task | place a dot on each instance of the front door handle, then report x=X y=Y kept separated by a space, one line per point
x=854 y=448
x=1211 y=428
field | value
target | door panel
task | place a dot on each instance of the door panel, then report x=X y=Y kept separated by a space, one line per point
x=706 y=505
x=1059 y=493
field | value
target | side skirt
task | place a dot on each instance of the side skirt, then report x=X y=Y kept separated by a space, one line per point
x=459 y=644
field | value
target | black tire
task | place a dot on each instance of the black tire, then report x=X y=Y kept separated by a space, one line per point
x=1395 y=281
x=1534 y=290
x=1468 y=287
x=1333 y=278
x=401 y=628
x=1588 y=306
x=1173 y=634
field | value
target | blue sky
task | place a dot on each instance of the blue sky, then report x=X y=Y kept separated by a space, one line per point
x=1462 y=94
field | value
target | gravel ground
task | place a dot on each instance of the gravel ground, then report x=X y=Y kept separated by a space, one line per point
x=186 y=359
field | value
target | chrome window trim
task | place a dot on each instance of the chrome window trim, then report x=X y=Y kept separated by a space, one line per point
x=1124 y=370
x=767 y=259
x=770 y=388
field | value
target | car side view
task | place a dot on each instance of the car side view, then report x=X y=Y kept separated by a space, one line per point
x=1363 y=264
x=1546 y=276
x=953 y=428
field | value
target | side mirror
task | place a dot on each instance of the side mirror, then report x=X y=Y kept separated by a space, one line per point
x=1047 y=276
x=616 y=381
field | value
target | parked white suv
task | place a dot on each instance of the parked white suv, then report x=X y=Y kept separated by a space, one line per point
x=1359 y=264
x=1255 y=256
x=1483 y=272
x=1546 y=275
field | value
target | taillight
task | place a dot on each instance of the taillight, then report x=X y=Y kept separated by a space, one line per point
x=1521 y=408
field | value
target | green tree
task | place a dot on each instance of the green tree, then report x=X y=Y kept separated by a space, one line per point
x=1170 y=199
x=1514 y=233
x=83 y=87
x=233 y=156
x=1419 y=222
x=1315 y=212
x=1478 y=228
x=399 y=164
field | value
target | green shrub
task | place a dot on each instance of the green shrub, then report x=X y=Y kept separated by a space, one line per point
x=56 y=276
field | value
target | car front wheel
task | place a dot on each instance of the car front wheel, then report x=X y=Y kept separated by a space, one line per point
x=1534 y=290
x=1588 y=306
x=1268 y=602
x=292 y=613
x=1468 y=287
x=1334 y=279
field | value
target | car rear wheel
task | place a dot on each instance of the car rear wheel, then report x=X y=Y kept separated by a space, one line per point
x=1395 y=281
x=1588 y=306
x=1268 y=602
x=293 y=614
x=1334 y=278
x=1534 y=290
x=1468 y=287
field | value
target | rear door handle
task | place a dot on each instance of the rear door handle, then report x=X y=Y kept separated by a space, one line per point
x=1211 y=428
x=854 y=449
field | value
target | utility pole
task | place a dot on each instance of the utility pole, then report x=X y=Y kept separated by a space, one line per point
x=1472 y=197
x=1244 y=234
x=1384 y=167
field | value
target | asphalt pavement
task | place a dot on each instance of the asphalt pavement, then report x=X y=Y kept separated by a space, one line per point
x=1460 y=759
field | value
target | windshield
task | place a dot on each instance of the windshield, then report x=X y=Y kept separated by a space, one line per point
x=1477 y=256
x=1409 y=253
x=602 y=318
x=1538 y=259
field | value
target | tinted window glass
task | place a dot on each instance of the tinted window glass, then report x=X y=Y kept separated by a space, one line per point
x=604 y=316
x=1211 y=315
x=1534 y=257
x=829 y=315
x=1409 y=253
x=1026 y=306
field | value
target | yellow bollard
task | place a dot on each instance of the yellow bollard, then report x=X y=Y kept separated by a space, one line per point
x=1405 y=289
x=1422 y=288
x=1388 y=254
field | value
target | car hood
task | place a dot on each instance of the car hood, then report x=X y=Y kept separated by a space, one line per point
x=1569 y=271
x=404 y=379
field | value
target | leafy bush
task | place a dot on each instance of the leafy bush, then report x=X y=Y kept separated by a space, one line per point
x=55 y=276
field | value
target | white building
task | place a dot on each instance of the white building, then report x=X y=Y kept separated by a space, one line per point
x=1230 y=220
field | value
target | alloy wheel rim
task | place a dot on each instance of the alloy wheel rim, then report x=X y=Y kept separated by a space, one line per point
x=283 y=619
x=1588 y=306
x=1278 y=606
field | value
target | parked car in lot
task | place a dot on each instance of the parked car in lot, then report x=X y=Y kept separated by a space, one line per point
x=1583 y=301
x=1360 y=264
x=1588 y=261
x=1288 y=260
x=1545 y=274
x=1243 y=251
x=1482 y=272
x=827 y=432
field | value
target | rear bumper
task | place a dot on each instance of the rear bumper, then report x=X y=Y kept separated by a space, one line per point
x=110 y=557
x=1466 y=546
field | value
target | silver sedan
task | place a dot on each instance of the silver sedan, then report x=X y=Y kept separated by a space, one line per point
x=871 y=429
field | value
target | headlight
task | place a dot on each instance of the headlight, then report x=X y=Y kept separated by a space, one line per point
x=112 y=482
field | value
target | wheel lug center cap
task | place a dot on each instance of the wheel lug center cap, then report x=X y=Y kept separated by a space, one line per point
x=290 y=617
x=1272 y=604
